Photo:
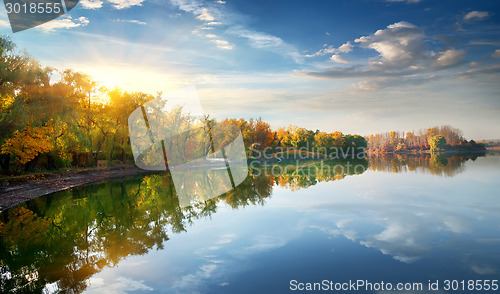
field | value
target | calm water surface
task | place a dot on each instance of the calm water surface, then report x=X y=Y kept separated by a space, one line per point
x=397 y=219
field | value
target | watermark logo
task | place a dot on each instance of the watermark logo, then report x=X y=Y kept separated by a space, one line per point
x=26 y=14
x=205 y=159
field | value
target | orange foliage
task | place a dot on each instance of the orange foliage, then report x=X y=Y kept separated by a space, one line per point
x=27 y=144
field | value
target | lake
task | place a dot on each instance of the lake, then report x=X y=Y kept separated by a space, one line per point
x=402 y=222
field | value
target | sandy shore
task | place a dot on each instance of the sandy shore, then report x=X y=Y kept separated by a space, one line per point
x=19 y=191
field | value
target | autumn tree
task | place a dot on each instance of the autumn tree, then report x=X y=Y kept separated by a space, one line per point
x=26 y=100
x=262 y=135
x=298 y=137
x=410 y=139
x=83 y=88
x=437 y=143
x=328 y=140
x=256 y=133
x=431 y=132
x=452 y=135
x=28 y=144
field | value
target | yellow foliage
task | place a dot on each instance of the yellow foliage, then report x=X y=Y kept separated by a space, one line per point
x=24 y=227
x=27 y=144
x=6 y=100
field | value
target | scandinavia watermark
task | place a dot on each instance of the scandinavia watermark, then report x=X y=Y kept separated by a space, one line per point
x=321 y=168
x=308 y=152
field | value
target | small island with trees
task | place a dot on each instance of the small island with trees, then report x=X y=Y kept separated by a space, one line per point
x=435 y=139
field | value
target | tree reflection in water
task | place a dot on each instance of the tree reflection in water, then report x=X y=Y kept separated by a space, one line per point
x=436 y=163
x=60 y=241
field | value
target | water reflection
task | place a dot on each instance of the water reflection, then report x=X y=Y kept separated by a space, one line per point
x=297 y=175
x=62 y=241
x=70 y=236
x=435 y=163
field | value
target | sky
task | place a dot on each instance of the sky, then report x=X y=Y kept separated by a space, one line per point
x=358 y=66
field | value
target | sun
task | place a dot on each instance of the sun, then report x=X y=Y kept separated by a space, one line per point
x=133 y=79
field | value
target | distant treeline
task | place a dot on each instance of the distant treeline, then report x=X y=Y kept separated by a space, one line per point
x=258 y=136
x=75 y=122
x=490 y=143
x=436 y=138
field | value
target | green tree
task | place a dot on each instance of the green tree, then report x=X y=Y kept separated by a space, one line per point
x=439 y=160
x=356 y=142
x=437 y=143
x=121 y=105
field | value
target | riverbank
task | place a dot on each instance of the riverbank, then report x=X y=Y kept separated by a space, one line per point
x=23 y=188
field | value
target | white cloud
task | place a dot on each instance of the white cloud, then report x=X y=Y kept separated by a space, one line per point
x=121 y=285
x=208 y=269
x=91 y=4
x=122 y=4
x=227 y=238
x=134 y=21
x=338 y=59
x=65 y=22
x=375 y=83
x=343 y=223
x=4 y=23
x=496 y=54
x=223 y=44
x=344 y=48
x=269 y=42
x=399 y=45
x=450 y=57
x=477 y=15
x=259 y=40
x=208 y=14
x=324 y=51
x=367 y=85
x=195 y=282
x=491 y=69
x=483 y=270
x=263 y=244
x=406 y=259
x=401 y=51
x=205 y=15
x=221 y=2
x=214 y=15
x=403 y=58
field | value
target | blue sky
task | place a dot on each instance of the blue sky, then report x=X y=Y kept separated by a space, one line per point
x=360 y=66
